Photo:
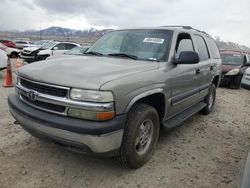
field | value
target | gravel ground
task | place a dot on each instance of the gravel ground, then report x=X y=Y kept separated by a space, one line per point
x=206 y=151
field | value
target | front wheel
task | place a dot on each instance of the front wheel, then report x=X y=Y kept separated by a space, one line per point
x=209 y=100
x=140 y=136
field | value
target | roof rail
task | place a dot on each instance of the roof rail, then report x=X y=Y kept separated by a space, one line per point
x=186 y=27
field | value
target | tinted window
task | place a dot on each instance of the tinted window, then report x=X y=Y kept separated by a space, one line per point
x=69 y=46
x=184 y=43
x=213 y=47
x=21 y=42
x=202 y=47
x=60 y=46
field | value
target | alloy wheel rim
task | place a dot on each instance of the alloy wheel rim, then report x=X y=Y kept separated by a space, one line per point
x=144 y=137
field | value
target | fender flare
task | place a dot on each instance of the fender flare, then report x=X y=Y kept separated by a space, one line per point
x=142 y=95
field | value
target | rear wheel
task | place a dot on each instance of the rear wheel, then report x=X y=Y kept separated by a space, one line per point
x=209 y=100
x=140 y=136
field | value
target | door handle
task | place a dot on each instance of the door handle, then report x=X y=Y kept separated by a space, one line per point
x=211 y=67
x=198 y=71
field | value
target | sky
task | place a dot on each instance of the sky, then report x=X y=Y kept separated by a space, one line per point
x=227 y=19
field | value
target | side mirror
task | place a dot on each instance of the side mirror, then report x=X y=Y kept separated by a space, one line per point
x=188 y=57
x=55 y=48
x=247 y=64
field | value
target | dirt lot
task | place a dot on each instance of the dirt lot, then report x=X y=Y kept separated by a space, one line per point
x=207 y=151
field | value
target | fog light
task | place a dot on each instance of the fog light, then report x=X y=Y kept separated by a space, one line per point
x=91 y=115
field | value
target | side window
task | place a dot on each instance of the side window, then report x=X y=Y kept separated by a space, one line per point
x=60 y=46
x=184 y=43
x=202 y=47
x=213 y=48
x=69 y=46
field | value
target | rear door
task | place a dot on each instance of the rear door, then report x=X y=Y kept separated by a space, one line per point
x=206 y=65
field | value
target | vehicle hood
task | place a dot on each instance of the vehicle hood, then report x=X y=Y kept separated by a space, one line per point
x=44 y=52
x=227 y=68
x=88 y=72
x=31 y=49
x=247 y=70
x=60 y=56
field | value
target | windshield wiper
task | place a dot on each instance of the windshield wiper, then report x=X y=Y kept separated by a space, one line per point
x=124 y=55
x=94 y=53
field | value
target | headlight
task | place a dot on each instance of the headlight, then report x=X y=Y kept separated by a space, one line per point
x=91 y=96
x=233 y=72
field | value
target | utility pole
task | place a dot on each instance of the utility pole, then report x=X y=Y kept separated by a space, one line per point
x=40 y=32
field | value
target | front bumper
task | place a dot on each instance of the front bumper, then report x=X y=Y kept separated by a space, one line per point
x=227 y=80
x=95 y=137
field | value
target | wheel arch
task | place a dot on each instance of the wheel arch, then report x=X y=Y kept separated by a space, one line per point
x=216 y=80
x=155 y=98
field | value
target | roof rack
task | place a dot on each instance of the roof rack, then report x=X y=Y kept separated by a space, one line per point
x=186 y=27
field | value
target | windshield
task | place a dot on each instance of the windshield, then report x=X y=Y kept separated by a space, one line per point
x=76 y=51
x=40 y=42
x=138 y=44
x=48 y=45
x=231 y=59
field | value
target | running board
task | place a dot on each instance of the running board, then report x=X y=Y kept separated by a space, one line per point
x=178 y=119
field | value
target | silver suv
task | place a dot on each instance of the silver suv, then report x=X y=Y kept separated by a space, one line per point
x=116 y=98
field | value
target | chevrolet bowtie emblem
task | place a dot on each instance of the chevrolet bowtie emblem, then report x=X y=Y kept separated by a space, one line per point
x=32 y=95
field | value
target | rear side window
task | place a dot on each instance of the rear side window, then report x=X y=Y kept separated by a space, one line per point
x=202 y=47
x=69 y=46
x=60 y=46
x=213 y=48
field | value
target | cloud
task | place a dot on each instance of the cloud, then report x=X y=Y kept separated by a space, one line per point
x=225 y=18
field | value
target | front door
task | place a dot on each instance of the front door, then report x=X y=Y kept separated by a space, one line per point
x=185 y=83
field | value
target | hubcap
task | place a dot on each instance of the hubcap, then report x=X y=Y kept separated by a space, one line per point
x=144 y=137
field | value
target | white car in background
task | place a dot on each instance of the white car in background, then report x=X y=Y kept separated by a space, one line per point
x=245 y=81
x=48 y=49
x=77 y=51
x=22 y=44
x=11 y=52
x=3 y=59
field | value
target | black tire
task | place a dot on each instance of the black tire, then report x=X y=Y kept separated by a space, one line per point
x=14 y=55
x=130 y=155
x=210 y=102
x=236 y=82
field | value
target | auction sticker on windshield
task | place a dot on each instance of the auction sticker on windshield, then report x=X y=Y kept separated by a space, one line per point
x=154 y=40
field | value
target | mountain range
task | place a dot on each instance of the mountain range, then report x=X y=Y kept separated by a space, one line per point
x=60 y=31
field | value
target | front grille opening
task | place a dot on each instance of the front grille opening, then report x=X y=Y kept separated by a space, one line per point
x=59 y=92
x=44 y=105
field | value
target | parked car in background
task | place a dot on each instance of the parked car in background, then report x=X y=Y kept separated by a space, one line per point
x=79 y=50
x=234 y=63
x=46 y=50
x=23 y=44
x=11 y=52
x=40 y=43
x=245 y=82
x=3 y=59
x=8 y=43
x=246 y=180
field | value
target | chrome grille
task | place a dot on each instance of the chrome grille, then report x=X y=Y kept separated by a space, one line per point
x=44 y=105
x=50 y=90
